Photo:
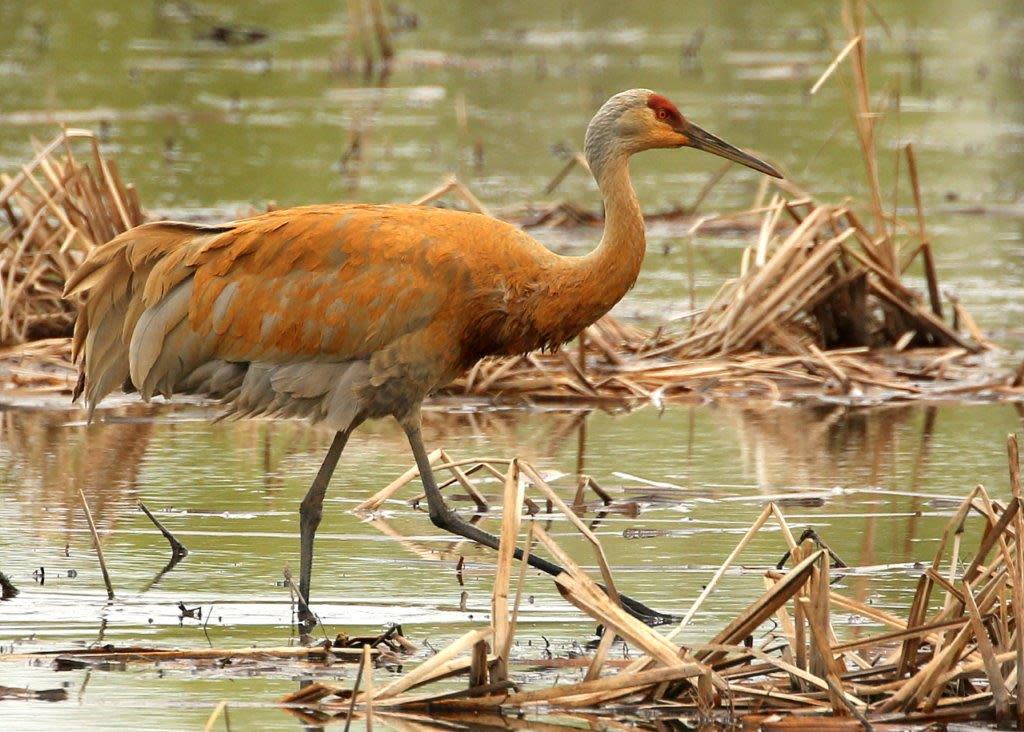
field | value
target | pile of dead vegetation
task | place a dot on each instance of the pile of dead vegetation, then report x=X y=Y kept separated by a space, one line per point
x=820 y=308
x=802 y=653
x=957 y=654
x=53 y=211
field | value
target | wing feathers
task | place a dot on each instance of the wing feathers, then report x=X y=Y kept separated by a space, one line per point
x=148 y=336
x=294 y=312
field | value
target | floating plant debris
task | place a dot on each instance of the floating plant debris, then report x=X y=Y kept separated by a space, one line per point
x=957 y=654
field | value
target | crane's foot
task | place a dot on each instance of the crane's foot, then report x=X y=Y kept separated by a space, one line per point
x=443 y=517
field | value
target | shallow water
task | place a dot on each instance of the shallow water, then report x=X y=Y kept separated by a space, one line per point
x=202 y=127
x=876 y=484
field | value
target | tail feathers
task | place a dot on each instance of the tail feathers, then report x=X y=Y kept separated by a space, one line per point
x=150 y=334
x=104 y=349
x=125 y=283
x=217 y=379
x=134 y=328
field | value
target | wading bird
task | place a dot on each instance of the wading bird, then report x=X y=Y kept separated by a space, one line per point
x=343 y=313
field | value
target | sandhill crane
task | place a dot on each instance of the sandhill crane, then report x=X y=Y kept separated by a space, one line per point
x=343 y=313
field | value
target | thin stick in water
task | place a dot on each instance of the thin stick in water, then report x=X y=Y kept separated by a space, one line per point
x=355 y=694
x=366 y=669
x=835 y=63
x=99 y=548
x=221 y=708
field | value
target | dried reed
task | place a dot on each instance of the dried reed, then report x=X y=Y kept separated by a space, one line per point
x=53 y=211
x=958 y=654
x=819 y=308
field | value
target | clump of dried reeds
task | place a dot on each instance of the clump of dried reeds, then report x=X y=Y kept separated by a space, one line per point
x=958 y=653
x=613 y=363
x=834 y=281
x=820 y=307
x=828 y=284
x=820 y=304
x=52 y=212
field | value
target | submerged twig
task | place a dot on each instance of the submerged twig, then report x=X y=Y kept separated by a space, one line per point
x=355 y=691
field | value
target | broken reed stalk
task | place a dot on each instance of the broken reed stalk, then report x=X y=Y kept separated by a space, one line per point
x=451 y=184
x=141 y=654
x=835 y=63
x=956 y=657
x=924 y=245
x=219 y=710
x=1013 y=460
x=512 y=509
x=178 y=550
x=300 y=601
x=713 y=582
x=381 y=31
x=366 y=671
x=355 y=690
x=864 y=124
x=575 y=160
x=99 y=547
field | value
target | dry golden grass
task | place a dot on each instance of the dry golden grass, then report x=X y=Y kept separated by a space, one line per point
x=53 y=211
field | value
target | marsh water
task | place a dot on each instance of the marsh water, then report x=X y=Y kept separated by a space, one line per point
x=497 y=94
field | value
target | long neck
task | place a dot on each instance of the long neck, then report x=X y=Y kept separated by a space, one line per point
x=615 y=264
x=585 y=288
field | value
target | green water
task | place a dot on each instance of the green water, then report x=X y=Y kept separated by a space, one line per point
x=204 y=128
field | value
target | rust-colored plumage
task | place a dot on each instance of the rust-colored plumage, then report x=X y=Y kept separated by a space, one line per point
x=273 y=313
x=342 y=313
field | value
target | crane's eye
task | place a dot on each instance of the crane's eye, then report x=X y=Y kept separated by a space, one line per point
x=662 y=114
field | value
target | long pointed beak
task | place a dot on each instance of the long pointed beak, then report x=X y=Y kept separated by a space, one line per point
x=701 y=139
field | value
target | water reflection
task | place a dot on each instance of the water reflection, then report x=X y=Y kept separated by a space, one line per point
x=676 y=489
x=474 y=720
x=822 y=445
x=47 y=455
x=43 y=467
x=793 y=455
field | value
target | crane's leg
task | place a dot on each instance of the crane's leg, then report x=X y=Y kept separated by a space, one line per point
x=445 y=518
x=310 y=513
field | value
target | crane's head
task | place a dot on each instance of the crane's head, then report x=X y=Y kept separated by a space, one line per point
x=639 y=119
